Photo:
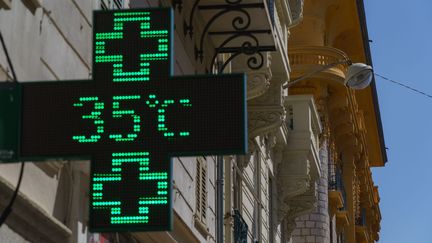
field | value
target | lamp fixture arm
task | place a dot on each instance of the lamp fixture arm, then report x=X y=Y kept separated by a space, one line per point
x=308 y=75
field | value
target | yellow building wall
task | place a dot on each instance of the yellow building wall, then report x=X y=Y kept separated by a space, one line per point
x=332 y=31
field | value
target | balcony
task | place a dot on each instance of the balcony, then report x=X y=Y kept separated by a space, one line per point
x=336 y=188
x=304 y=123
x=299 y=168
x=337 y=195
x=303 y=59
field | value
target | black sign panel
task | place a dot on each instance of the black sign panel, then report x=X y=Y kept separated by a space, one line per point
x=132 y=118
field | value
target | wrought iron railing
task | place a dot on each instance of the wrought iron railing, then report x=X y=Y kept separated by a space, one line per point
x=240 y=228
x=335 y=181
x=361 y=219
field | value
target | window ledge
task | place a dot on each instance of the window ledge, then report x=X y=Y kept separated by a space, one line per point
x=201 y=227
x=30 y=220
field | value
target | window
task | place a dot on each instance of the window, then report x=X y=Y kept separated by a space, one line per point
x=201 y=190
x=271 y=208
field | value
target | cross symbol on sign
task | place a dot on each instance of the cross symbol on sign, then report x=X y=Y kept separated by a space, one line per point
x=132 y=118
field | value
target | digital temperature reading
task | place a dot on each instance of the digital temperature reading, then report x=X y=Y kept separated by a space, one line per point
x=132 y=118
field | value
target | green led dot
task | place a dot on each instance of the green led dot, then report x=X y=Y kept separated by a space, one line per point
x=143 y=210
x=115 y=210
x=131 y=19
x=109 y=35
x=130 y=154
x=88 y=98
x=131 y=13
x=108 y=203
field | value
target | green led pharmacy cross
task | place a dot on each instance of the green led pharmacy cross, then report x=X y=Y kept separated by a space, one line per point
x=129 y=120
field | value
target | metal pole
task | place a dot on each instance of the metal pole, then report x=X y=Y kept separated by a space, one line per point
x=323 y=68
x=219 y=199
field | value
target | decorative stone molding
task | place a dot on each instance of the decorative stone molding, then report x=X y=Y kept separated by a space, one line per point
x=257 y=84
x=258 y=81
x=264 y=119
x=273 y=96
x=266 y=116
x=296 y=177
x=294 y=173
x=266 y=112
x=300 y=205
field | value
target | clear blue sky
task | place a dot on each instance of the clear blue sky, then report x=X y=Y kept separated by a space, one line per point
x=401 y=32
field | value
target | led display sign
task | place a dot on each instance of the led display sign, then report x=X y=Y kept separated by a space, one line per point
x=132 y=118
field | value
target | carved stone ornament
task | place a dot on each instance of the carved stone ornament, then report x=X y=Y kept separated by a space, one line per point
x=266 y=112
x=257 y=83
x=264 y=119
x=298 y=206
x=295 y=181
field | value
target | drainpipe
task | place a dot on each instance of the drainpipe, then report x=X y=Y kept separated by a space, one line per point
x=219 y=199
x=228 y=203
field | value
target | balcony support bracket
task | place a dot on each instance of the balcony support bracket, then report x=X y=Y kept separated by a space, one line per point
x=231 y=29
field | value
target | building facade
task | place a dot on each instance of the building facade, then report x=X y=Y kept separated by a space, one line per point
x=352 y=142
x=306 y=177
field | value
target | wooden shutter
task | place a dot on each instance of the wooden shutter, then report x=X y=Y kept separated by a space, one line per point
x=201 y=190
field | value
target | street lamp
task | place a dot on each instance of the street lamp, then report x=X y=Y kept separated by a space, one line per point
x=358 y=75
